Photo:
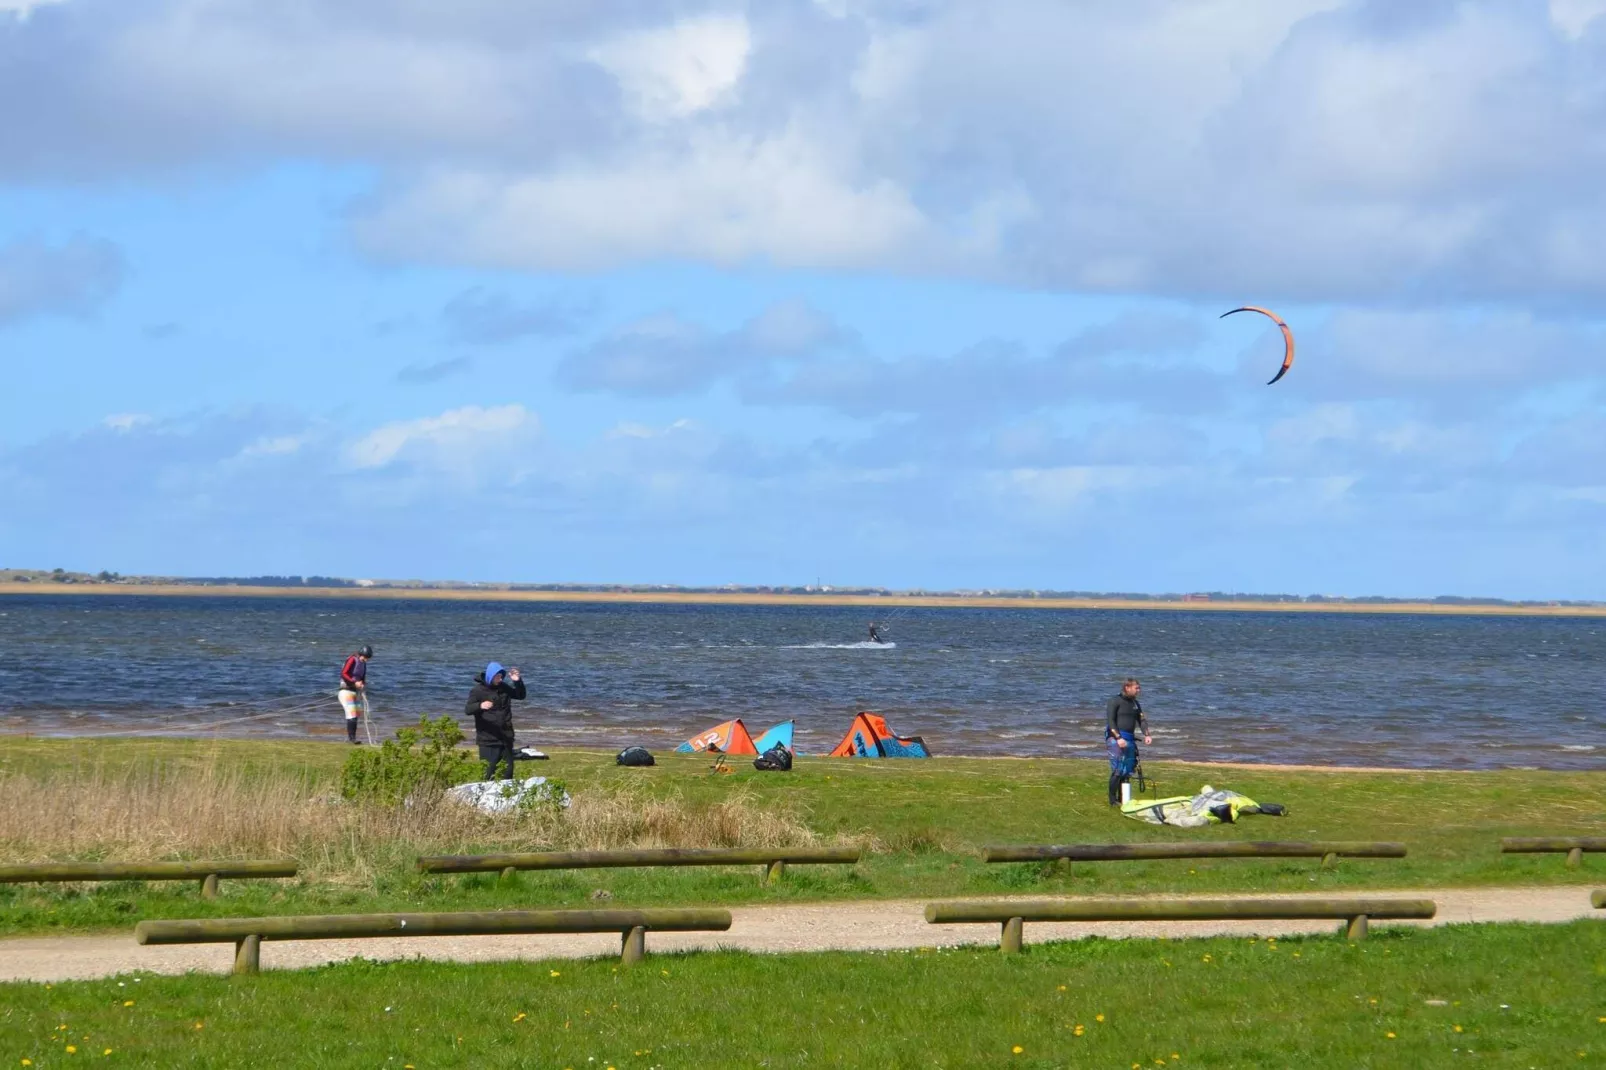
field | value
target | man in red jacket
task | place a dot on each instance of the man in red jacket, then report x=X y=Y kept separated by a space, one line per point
x=353 y=683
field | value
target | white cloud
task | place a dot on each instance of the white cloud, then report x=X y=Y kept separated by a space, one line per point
x=23 y=8
x=276 y=445
x=472 y=440
x=126 y=421
x=721 y=197
x=675 y=71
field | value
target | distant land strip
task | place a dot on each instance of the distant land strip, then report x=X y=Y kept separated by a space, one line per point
x=819 y=597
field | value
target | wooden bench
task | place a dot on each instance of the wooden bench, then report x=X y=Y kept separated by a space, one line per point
x=1328 y=851
x=208 y=873
x=774 y=859
x=1572 y=846
x=1013 y=915
x=247 y=934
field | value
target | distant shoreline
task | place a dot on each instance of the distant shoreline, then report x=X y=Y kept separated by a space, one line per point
x=502 y=594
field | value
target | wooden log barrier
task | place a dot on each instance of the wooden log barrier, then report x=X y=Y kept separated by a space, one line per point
x=774 y=859
x=1012 y=915
x=1328 y=851
x=208 y=873
x=247 y=934
x=1573 y=847
x=1597 y=899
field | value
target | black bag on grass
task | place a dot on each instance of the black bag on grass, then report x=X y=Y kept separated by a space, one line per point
x=635 y=756
x=776 y=759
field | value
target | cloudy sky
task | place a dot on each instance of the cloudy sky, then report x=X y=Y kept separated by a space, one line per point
x=899 y=292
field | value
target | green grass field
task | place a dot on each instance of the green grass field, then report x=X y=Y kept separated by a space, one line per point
x=925 y=821
x=1488 y=996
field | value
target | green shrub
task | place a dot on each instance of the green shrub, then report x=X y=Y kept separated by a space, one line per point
x=418 y=765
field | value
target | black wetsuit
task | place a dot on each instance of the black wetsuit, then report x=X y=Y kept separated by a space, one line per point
x=875 y=634
x=1122 y=719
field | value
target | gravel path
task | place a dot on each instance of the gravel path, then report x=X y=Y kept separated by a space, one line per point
x=854 y=926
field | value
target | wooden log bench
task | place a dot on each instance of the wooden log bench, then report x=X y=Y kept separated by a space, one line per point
x=1572 y=846
x=1328 y=851
x=774 y=859
x=208 y=873
x=1012 y=915
x=247 y=934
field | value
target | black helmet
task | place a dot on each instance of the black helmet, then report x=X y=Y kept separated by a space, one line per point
x=366 y=651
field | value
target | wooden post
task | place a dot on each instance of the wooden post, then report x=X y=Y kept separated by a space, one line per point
x=774 y=872
x=209 y=886
x=633 y=946
x=248 y=955
x=1329 y=860
x=1357 y=928
x=1009 y=942
x=1575 y=858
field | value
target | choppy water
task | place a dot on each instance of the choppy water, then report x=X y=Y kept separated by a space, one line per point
x=1354 y=689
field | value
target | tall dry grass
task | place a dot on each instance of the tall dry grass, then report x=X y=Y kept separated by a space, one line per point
x=163 y=811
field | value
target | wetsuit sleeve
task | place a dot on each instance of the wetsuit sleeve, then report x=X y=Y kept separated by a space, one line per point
x=516 y=689
x=1109 y=716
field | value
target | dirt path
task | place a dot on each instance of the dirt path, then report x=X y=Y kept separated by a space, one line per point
x=855 y=926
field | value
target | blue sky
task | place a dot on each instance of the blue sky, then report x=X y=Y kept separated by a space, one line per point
x=897 y=292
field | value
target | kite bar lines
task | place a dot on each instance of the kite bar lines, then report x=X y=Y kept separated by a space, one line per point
x=1288 y=336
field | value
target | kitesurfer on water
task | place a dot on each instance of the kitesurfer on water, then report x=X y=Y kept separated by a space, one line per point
x=875 y=634
x=353 y=682
x=1122 y=719
x=491 y=705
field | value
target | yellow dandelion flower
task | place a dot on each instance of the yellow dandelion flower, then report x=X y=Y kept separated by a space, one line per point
x=1062 y=988
x=29 y=1062
x=200 y=1025
x=71 y=1050
x=519 y=1017
x=555 y=973
x=1457 y=1029
x=1175 y=1056
x=128 y=1003
x=1389 y=1035
x=108 y=1051
x=1098 y=1017
x=1017 y=1049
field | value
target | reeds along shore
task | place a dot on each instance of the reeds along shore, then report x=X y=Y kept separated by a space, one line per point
x=746 y=598
x=163 y=810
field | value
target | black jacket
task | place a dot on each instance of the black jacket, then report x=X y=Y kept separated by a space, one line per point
x=493 y=727
x=1123 y=714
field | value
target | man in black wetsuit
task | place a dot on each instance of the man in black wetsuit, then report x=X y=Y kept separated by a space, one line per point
x=1123 y=717
x=875 y=634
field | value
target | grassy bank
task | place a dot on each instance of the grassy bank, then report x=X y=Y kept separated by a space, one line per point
x=920 y=823
x=1496 y=996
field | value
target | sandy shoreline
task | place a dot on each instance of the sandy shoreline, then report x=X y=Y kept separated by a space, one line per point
x=502 y=594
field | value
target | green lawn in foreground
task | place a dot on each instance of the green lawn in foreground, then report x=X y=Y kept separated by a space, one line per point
x=1512 y=996
x=931 y=816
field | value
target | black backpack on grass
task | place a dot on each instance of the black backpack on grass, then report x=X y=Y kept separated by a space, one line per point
x=777 y=759
x=635 y=756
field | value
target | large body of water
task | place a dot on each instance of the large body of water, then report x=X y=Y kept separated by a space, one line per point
x=1342 y=688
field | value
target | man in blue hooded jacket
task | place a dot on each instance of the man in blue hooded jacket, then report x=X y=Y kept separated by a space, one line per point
x=491 y=704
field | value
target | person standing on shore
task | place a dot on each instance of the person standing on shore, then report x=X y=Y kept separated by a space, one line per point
x=491 y=704
x=353 y=686
x=1123 y=717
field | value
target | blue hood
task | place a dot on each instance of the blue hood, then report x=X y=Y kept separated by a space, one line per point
x=491 y=670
